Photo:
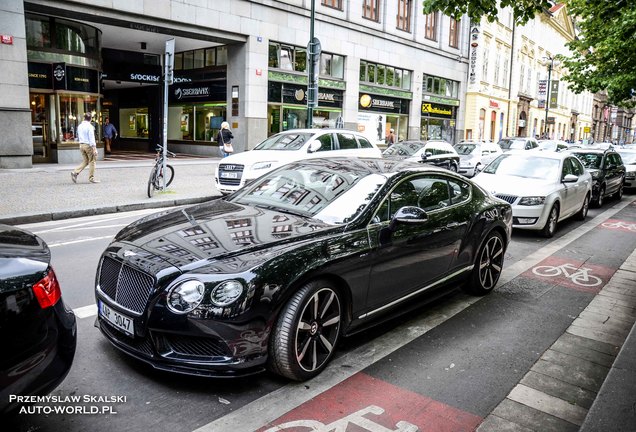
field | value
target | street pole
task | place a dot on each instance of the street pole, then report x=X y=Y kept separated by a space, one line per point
x=311 y=64
x=168 y=65
x=547 y=99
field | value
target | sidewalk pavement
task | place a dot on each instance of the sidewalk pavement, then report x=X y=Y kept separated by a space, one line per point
x=46 y=191
x=592 y=386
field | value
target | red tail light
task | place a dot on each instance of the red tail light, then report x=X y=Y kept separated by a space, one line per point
x=47 y=290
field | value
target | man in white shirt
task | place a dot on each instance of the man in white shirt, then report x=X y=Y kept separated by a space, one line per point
x=88 y=148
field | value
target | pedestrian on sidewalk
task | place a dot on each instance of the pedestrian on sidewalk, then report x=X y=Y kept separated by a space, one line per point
x=88 y=148
x=224 y=139
x=110 y=133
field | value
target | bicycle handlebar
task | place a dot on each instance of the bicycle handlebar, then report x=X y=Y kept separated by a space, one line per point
x=168 y=152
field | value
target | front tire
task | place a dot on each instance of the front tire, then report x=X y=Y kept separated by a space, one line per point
x=305 y=336
x=151 y=182
x=599 y=201
x=619 y=193
x=488 y=265
x=551 y=224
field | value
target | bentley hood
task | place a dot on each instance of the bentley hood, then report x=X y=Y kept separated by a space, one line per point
x=218 y=231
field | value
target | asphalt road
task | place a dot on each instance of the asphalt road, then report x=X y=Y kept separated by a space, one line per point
x=458 y=357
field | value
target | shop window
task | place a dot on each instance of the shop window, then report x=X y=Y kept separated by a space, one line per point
x=390 y=76
x=385 y=75
x=38 y=31
x=293 y=58
x=210 y=57
x=188 y=60
x=178 y=61
x=300 y=60
x=381 y=74
x=332 y=65
x=199 y=59
x=60 y=34
x=286 y=60
x=272 y=58
x=221 y=56
x=440 y=86
x=72 y=110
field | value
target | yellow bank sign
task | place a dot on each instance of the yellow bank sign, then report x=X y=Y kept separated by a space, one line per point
x=437 y=110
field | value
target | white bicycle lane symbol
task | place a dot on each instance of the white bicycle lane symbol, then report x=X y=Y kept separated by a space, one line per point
x=580 y=276
x=619 y=225
x=341 y=425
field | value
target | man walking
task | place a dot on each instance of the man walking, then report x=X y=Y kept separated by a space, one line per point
x=110 y=133
x=88 y=148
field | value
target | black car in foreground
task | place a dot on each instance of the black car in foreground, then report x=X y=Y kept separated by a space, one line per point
x=607 y=170
x=37 y=332
x=274 y=274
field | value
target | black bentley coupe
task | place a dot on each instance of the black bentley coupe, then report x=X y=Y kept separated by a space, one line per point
x=37 y=331
x=275 y=274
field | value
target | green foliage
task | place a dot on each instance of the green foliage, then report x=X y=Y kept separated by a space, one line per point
x=523 y=10
x=604 y=54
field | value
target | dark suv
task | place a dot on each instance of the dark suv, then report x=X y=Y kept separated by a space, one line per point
x=608 y=172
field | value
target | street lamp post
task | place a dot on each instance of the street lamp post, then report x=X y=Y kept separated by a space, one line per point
x=548 y=61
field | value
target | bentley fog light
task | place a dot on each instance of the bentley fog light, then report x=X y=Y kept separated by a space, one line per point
x=226 y=293
x=186 y=296
x=532 y=201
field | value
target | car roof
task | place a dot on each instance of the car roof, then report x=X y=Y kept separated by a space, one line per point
x=322 y=130
x=382 y=166
x=538 y=154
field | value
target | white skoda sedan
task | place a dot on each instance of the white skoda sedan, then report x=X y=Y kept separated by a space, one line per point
x=543 y=188
x=239 y=169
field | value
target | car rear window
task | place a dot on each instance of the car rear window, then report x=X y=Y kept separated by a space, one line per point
x=347 y=141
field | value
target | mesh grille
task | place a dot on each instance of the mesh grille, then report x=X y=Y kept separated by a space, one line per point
x=228 y=168
x=197 y=346
x=508 y=198
x=125 y=286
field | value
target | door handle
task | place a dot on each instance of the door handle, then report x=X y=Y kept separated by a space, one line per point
x=452 y=225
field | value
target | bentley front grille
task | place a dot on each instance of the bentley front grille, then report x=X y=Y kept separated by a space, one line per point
x=124 y=285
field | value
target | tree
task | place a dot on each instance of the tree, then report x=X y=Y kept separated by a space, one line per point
x=604 y=53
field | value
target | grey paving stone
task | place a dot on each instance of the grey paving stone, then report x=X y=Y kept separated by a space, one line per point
x=531 y=418
x=611 y=305
x=620 y=287
x=566 y=346
x=560 y=389
x=603 y=323
x=591 y=344
x=596 y=308
x=615 y=301
x=497 y=424
x=548 y=404
x=597 y=335
x=626 y=300
x=588 y=376
x=624 y=274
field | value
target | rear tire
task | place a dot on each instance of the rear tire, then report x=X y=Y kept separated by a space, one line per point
x=488 y=265
x=550 y=225
x=619 y=193
x=599 y=201
x=305 y=336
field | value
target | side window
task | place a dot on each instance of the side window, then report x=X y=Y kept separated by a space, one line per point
x=404 y=194
x=433 y=194
x=364 y=143
x=347 y=141
x=460 y=191
x=567 y=168
x=327 y=142
x=578 y=168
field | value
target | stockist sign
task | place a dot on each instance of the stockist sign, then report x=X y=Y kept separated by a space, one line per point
x=297 y=95
x=437 y=110
x=60 y=76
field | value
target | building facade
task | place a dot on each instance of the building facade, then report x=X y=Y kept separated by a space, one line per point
x=383 y=65
x=514 y=84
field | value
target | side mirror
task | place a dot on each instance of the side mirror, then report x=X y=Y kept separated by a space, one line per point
x=407 y=215
x=314 y=146
x=426 y=155
x=570 y=178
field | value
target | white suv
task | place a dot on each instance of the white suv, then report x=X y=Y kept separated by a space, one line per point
x=238 y=169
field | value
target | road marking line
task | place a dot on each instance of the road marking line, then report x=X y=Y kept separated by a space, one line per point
x=274 y=405
x=85 y=311
x=79 y=241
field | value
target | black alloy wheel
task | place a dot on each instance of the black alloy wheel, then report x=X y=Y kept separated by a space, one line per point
x=551 y=224
x=307 y=332
x=601 y=196
x=488 y=265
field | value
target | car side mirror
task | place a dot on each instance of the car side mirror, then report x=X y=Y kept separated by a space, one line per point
x=570 y=178
x=407 y=215
x=426 y=155
x=314 y=146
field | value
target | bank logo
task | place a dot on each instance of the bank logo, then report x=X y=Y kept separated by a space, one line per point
x=299 y=95
x=365 y=101
x=177 y=93
x=59 y=72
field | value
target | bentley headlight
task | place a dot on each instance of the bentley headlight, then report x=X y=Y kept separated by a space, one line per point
x=532 y=201
x=186 y=296
x=226 y=293
x=261 y=165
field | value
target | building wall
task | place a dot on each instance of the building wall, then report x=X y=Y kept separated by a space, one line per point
x=16 y=147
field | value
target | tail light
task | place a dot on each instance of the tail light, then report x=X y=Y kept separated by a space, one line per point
x=47 y=290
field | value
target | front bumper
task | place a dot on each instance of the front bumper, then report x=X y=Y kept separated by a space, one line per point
x=200 y=347
x=530 y=217
x=467 y=171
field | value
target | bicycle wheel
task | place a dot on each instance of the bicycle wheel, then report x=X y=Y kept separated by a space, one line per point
x=546 y=271
x=169 y=176
x=152 y=181
x=586 y=280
